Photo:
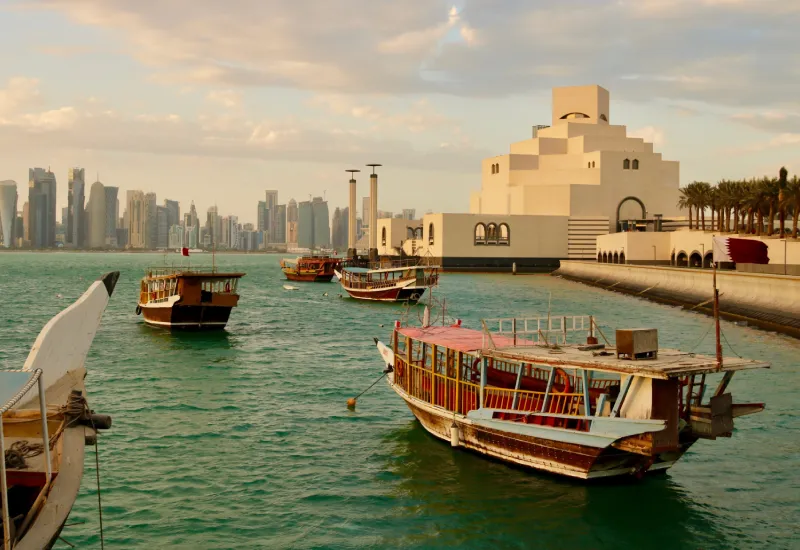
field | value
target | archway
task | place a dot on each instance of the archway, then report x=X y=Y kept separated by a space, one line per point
x=634 y=199
x=599 y=257
x=695 y=260
x=605 y=258
x=708 y=259
x=504 y=234
x=616 y=258
x=622 y=257
x=672 y=258
x=683 y=259
x=480 y=233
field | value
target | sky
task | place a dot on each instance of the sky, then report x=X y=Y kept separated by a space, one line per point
x=218 y=101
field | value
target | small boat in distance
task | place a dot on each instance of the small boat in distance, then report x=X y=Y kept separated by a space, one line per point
x=521 y=392
x=45 y=423
x=290 y=287
x=396 y=281
x=188 y=297
x=317 y=269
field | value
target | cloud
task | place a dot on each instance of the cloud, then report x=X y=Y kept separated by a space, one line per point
x=24 y=125
x=785 y=121
x=417 y=117
x=650 y=134
x=715 y=51
x=226 y=98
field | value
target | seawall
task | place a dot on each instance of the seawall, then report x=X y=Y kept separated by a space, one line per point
x=768 y=301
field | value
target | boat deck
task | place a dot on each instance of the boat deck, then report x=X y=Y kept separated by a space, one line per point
x=670 y=363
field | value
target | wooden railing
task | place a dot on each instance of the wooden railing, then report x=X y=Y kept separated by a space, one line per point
x=462 y=396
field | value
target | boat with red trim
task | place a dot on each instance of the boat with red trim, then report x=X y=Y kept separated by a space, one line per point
x=521 y=392
x=317 y=269
x=396 y=281
x=188 y=298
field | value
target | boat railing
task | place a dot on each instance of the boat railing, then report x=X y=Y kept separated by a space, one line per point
x=389 y=263
x=538 y=331
x=166 y=271
x=462 y=396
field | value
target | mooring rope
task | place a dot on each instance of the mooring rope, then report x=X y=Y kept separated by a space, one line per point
x=97 y=474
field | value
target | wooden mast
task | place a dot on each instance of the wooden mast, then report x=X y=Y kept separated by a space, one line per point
x=716 y=311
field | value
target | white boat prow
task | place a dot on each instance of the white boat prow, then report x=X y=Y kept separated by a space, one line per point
x=64 y=342
x=386 y=353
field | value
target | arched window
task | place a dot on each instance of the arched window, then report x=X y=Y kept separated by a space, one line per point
x=491 y=234
x=599 y=257
x=635 y=164
x=480 y=234
x=574 y=115
x=626 y=164
x=592 y=164
x=504 y=235
x=497 y=168
x=410 y=233
x=430 y=233
x=604 y=118
x=383 y=236
x=682 y=260
x=492 y=168
x=588 y=165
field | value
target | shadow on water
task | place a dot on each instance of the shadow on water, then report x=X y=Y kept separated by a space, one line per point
x=482 y=503
x=218 y=339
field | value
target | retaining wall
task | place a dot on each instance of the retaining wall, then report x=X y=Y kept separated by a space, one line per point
x=769 y=301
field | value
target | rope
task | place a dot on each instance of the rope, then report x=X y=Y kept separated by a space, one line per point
x=370 y=386
x=99 y=501
x=730 y=347
x=19 y=451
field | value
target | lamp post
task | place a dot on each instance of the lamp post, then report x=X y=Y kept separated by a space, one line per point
x=654 y=254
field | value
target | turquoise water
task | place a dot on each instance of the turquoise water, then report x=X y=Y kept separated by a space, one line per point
x=241 y=439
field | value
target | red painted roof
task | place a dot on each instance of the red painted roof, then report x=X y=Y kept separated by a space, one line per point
x=456 y=338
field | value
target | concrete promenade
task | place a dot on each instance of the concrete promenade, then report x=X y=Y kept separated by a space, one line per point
x=768 y=301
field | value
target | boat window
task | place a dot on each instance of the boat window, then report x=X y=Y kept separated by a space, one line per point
x=504 y=236
x=491 y=234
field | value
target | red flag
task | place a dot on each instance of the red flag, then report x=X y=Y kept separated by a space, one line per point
x=184 y=251
x=745 y=251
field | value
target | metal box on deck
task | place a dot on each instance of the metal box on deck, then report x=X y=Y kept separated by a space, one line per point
x=637 y=343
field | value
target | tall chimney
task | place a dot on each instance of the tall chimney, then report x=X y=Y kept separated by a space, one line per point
x=351 y=222
x=373 y=213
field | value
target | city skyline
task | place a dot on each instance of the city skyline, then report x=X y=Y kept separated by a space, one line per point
x=148 y=102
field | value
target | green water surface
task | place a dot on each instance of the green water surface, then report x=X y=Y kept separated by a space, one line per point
x=241 y=439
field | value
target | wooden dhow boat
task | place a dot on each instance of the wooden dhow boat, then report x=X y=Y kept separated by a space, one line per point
x=188 y=298
x=398 y=281
x=524 y=394
x=317 y=269
x=45 y=423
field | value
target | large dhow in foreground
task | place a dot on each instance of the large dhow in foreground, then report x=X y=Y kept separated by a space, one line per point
x=388 y=281
x=188 y=298
x=46 y=402
x=523 y=394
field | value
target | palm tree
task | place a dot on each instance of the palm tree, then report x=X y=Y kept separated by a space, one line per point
x=703 y=200
x=782 y=175
x=791 y=200
x=771 y=193
x=685 y=201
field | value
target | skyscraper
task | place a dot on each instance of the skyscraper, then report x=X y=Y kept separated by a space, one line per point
x=322 y=222
x=162 y=227
x=280 y=224
x=8 y=213
x=112 y=215
x=272 y=203
x=75 y=207
x=173 y=212
x=136 y=219
x=97 y=217
x=195 y=225
x=262 y=218
x=213 y=225
x=365 y=212
x=339 y=229
x=291 y=223
x=409 y=213
x=42 y=207
x=150 y=221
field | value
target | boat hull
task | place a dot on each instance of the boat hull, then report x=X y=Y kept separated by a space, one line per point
x=187 y=317
x=309 y=277
x=548 y=455
x=412 y=295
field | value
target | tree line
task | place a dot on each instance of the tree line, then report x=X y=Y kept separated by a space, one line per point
x=744 y=206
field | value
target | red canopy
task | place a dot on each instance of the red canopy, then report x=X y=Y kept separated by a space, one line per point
x=455 y=338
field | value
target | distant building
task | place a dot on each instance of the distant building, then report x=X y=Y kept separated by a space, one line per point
x=365 y=212
x=41 y=208
x=292 y=218
x=122 y=237
x=162 y=227
x=176 y=237
x=112 y=215
x=280 y=224
x=136 y=219
x=339 y=227
x=150 y=221
x=213 y=226
x=75 y=207
x=409 y=213
x=26 y=224
x=262 y=219
x=8 y=213
x=173 y=212
x=97 y=217
x=271 y=198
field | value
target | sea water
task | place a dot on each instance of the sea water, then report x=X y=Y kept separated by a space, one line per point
x=241 y=438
